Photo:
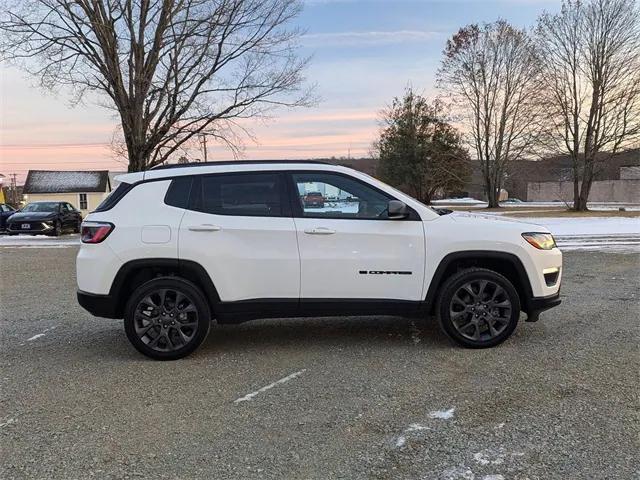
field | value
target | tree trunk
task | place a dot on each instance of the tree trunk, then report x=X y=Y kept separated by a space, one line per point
x=138 y=159
x=493 y=194
x=138 y=162
x=576 y=189
x=583 y=198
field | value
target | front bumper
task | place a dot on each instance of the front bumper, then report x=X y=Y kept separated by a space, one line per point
x=31 y=227
x=98 y=305
x=537 y=305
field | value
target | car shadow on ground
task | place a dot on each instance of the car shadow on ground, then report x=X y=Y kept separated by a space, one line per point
x=277 y=335
x=326 y=332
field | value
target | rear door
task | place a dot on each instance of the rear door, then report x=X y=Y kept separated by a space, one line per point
x=238 y=226
x=349 y=248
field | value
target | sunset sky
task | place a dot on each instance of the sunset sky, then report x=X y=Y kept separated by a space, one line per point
x=364 y=53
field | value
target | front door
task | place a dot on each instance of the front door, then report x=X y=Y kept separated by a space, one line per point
x=349 y=248
x=239 y=228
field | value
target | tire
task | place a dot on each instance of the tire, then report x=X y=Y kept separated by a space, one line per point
x=159 y=336
x=469 y=316
x=57 y=229
x=76 y=228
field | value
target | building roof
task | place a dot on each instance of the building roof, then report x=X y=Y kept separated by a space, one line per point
x=47 y=181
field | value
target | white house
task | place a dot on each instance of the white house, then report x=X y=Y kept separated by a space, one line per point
x=82 y=189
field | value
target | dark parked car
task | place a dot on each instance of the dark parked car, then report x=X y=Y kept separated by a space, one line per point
x=49 y=218
x=5 y=212
x=313 y=199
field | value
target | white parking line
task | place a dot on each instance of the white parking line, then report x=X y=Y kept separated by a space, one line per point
x=35 y=337
x=249 y=396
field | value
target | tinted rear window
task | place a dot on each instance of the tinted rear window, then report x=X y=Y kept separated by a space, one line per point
x=178 y=192
x=114 y=197
x=251 y=195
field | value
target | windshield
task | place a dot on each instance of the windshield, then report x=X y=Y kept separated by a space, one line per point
x=41 y=207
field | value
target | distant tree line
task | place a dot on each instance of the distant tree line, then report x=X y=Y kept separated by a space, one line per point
x=179 y=72
x=569 y=86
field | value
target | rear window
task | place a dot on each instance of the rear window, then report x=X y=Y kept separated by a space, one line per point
x=251 y=195
x=114 y=197
x=178 y=192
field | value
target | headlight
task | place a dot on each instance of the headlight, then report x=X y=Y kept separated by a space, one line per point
x=542 y=241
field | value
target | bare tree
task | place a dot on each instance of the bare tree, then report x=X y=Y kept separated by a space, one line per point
x=590 y=58
x=174 y=70
x=418 y=150
x=490 y=73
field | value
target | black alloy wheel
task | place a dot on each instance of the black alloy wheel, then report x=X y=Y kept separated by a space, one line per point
x=478 y=308
x=167 y=318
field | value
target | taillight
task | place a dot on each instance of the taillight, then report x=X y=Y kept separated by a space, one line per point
x=95 y=232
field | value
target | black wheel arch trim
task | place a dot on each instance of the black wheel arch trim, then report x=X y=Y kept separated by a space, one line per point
x=185 y=268
x=438 y=276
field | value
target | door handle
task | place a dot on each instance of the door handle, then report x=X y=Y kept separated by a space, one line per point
x=319 y=231
x=205 y=228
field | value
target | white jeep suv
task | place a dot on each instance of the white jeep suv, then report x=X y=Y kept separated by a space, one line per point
x=174 y=247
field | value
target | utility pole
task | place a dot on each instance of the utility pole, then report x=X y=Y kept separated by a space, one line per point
x=203 y=141
x=14 y=189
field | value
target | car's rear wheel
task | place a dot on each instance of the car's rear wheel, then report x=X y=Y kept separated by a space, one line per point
x=167 y=318
x=478 y=308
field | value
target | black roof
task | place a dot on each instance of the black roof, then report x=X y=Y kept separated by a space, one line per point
x=57 y=181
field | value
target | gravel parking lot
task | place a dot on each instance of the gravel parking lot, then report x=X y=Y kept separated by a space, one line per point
x=354 y=398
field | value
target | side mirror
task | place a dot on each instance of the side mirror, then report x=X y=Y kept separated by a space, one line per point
x=397 y=210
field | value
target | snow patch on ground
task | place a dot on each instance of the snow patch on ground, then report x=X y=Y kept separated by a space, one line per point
x=7 y=422
x=457 y=201
x=415 y=333
x=443 y=414
x=458 y=473
x=579 y=226
x=401 y=440
x=609 y=234
x=38 y=241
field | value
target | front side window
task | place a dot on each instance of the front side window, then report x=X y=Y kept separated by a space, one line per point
x=329 y=195
x=82 y=200
x=251 y=195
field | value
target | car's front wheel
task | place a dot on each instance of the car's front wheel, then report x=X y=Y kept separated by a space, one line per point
x=167 y=318
x=57 y=229
x=478 y=308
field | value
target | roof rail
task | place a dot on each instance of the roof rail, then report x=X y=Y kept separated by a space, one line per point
x=233 y=162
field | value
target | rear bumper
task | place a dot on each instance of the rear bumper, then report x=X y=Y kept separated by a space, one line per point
x=537 y=305
x=98 y=305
